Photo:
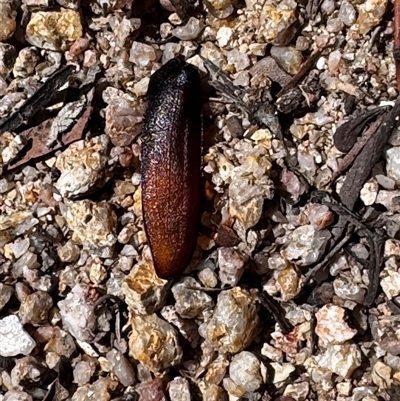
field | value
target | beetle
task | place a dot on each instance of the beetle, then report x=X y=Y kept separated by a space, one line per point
x=171 y=165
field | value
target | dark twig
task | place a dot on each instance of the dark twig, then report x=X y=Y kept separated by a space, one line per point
x=45 y=94
x=262 y=113
x=375 y=242
x=209 y=289
x=374 y=35
x=314 y=337
x=396 y=46
x=64 y=379
x=106 y=297
x=277 y=312
x=39 y=136
x=335 y=249
x=325 y=199
x=348 y=159
x=312 y=8
x=118 y=325
x=117 y=301
x=304 y=70
x=346 y=134
x=367 y=158
x=224 y=85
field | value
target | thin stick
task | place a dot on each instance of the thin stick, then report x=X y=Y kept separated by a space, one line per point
x=347 y=160
x=396 y=46
x=304 y=70
x=312 y=272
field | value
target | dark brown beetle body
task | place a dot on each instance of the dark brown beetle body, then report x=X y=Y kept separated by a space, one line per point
x=171 y=166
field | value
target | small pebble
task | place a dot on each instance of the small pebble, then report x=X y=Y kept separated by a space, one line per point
x=244 y=370
x=14 y=340
x=190 y=31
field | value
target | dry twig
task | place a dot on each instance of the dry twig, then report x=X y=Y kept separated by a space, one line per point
x=396 y=44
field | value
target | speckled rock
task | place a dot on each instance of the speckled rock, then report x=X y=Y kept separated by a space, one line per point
x=28 y=372
x=186 y=327
x=247 y=192
x=82 y=166
x=278 y=19
x=288 y=58
x=389 y=200
x=234 y=322
x=93 y=225
x=141 y=54
x=244 y=370
x=179 y=389
x=8 y=54
x=144 y=291
x=347 y=13
x=381 y=375
x=100 y=390
x=14 y=339
x=370 y=14
x=319 y=215
x=12 y=144
x=26 y=62
x=231 y=263
x=341 y=359
x=190 y=31
x=189 y=302
x=288 y=282
x=220 y=4
x=7 y=20
x=59 y=342
x=151 y=390
x=281 y=371
x=393 y=163
x=5 y=294
x=349 y=289
x=390 y=279
x=154 y=342
x=307 y=245
x=54 y=30
x=124 y=116
x=121 y=368
x=35 y=307
x=77 y=314
x=331 y=327
x=386 y=332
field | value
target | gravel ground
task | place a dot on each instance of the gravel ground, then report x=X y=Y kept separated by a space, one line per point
x=293 y=292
